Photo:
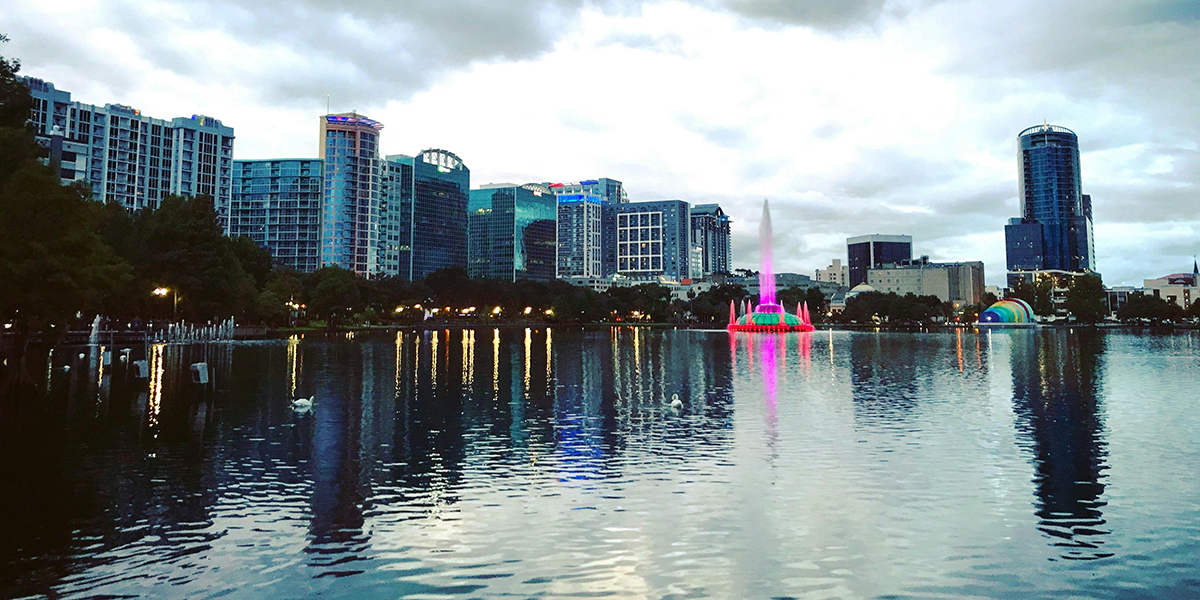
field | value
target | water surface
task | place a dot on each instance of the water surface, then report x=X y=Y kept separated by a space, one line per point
x=551 y=463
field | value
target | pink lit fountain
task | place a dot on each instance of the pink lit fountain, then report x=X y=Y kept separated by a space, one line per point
x=768 y=316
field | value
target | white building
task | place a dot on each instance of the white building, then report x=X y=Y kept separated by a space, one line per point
x=132 y=159
x=836 y=273
x=950 y=282
x=1181 y=288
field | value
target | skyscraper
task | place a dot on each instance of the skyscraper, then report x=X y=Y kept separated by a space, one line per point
x=579 y=235
x=1054 y=231
x=652 y=239
x=710 y=232
x=428 y=194
x=129 y=158
x=873 y=251
x=611 y=194
x=277 y=203
x=511 y=232
x=352 y=188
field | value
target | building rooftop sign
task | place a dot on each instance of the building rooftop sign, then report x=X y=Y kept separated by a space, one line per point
x=354 y=120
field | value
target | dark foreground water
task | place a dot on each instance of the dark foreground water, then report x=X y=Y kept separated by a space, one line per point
x=535 y=463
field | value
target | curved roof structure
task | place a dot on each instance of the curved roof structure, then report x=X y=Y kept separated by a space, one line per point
x=1008 y=310
x=1045 y=128
x=441 y=158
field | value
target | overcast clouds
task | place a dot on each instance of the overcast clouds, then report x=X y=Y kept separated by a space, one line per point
x=851 y=116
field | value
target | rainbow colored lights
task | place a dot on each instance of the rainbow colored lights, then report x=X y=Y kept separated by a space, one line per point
x=1008 y=311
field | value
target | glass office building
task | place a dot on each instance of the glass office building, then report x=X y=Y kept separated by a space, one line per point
x=277 y=203
x=611 y=194
x=350 y=205
x=579 y=235
x=873 y=251
x=511 y=232
x=429 y=222
x=710 y=234
x=652 y=239
x=1054 y=231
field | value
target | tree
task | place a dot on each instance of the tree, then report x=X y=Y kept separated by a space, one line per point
x=332 y=294
x=180 y=245
x=1194 y=310
x=1039 y=294
x=53 y=262
x=712 y=306
x=255 y=260
x=1141 y=307
x=1086 y=299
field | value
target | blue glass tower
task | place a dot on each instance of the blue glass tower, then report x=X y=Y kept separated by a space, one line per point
x=1055 y=228
x=511 y=232
x=425 y=213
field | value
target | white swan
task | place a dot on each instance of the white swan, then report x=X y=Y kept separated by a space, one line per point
x=302 y=405
x=675 y=401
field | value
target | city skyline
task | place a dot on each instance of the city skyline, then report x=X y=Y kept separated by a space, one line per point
x=892 y=117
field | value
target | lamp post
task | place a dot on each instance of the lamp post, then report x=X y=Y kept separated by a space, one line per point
x=161 y=292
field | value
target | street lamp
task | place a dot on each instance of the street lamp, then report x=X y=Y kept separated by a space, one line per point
x=161 y=292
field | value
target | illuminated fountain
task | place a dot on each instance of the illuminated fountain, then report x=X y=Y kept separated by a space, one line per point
x=768 y=315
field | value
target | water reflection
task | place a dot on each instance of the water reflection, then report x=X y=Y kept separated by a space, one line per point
x=1055 y=381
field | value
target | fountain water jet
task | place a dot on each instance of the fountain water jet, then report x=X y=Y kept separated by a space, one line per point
x=768 y=315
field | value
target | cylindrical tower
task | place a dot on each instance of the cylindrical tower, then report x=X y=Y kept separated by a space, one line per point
x=1051 y=192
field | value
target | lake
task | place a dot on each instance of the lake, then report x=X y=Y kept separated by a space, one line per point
x=553 y=463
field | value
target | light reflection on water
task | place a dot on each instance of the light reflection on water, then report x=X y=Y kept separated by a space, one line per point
x=1018 y=463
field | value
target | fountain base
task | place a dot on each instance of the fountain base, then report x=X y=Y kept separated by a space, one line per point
x=771 y=318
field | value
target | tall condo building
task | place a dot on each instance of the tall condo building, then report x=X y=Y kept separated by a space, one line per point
x=511 y=232
x=1054 y=232
x=611 y=193
x=350 y=204
x=652 y=239
x=425 y=205
x=277 y=203
x=873 y=251
x=836 y=273
x=129 y=158
x=710 y=233
x=579 y=236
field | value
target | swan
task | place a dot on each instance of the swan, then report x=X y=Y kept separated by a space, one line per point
x=302 y=405
x=675 y=401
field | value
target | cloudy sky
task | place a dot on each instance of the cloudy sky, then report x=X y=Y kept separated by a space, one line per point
x=851 y=116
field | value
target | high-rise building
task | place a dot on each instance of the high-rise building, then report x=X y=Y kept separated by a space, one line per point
x=426 y=213
x=579 y=235
x=874 y=251
x=611 y=193
x=1054 y=232
x=129 y=158
x=710 y=232
x=352 y=187
x=836 y=273
x=511 y=232
x=652 y=239
x=277 y=203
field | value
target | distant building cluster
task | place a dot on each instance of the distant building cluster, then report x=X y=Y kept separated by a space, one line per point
x=408 y=216
x=379 y=216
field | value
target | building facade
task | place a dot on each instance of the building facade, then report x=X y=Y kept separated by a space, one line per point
x=511 y=232
x=129 y=158
x=836 y=273
x=873 y=251
x=710 y=233
x=580 y=252
x=652 y=239
x=1181 y=289
x=350 y=204
x=950 y=282
x=1054 y=231
x=612 y=194
x=277 y=203
x=426 y=213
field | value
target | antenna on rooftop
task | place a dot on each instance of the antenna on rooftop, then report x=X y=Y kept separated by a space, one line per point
x=326 y=103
